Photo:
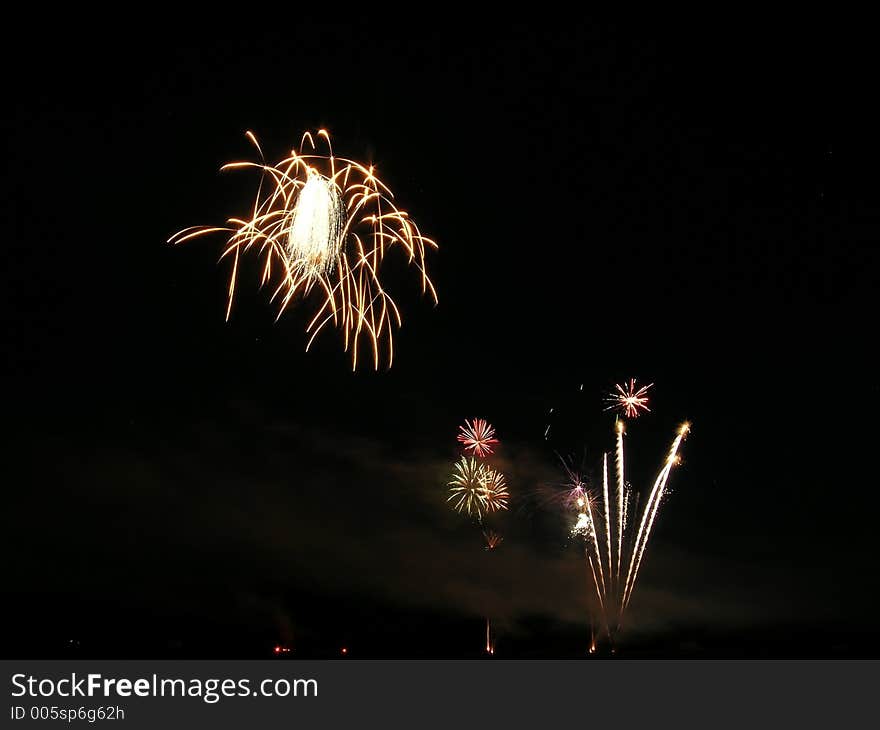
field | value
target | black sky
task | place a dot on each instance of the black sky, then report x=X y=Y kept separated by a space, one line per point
x=695 y=205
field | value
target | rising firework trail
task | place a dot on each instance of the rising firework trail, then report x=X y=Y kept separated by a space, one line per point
x=607 y=512
x=321 y=226
x=594 y=540
x=654 y=499
x=621 y=492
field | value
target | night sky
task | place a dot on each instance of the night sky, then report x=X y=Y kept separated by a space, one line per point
x=697 y=207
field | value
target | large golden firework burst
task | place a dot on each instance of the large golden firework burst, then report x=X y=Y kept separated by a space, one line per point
x=323 y=224
x=476 y=489
x=467 y=488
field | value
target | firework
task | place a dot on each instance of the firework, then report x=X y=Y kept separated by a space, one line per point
x=584 y=526
x=578 y=498
x=601 y=520
x=629 y=399
x=621 y=492
x=656 y=495
x=495 y=494
x=467 y=487
x=477 y=437
x=478 y=489
x=321 y=226
x=605 y=501
x=493 y=539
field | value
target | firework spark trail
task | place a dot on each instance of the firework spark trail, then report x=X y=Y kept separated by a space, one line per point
x=586 y=524
x=630 y=504
x=599 y=593
x=633 y=500
x=656 y=496
x=495 y=494
x=323 y=224
x=620 y=493
x=635 y=548
x=607 y=515
x=647 y=522
x=595 y=541
x=672 y=461
x=640 y=551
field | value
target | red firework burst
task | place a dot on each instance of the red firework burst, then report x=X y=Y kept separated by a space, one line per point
x=477 y=437
x=629 y=399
